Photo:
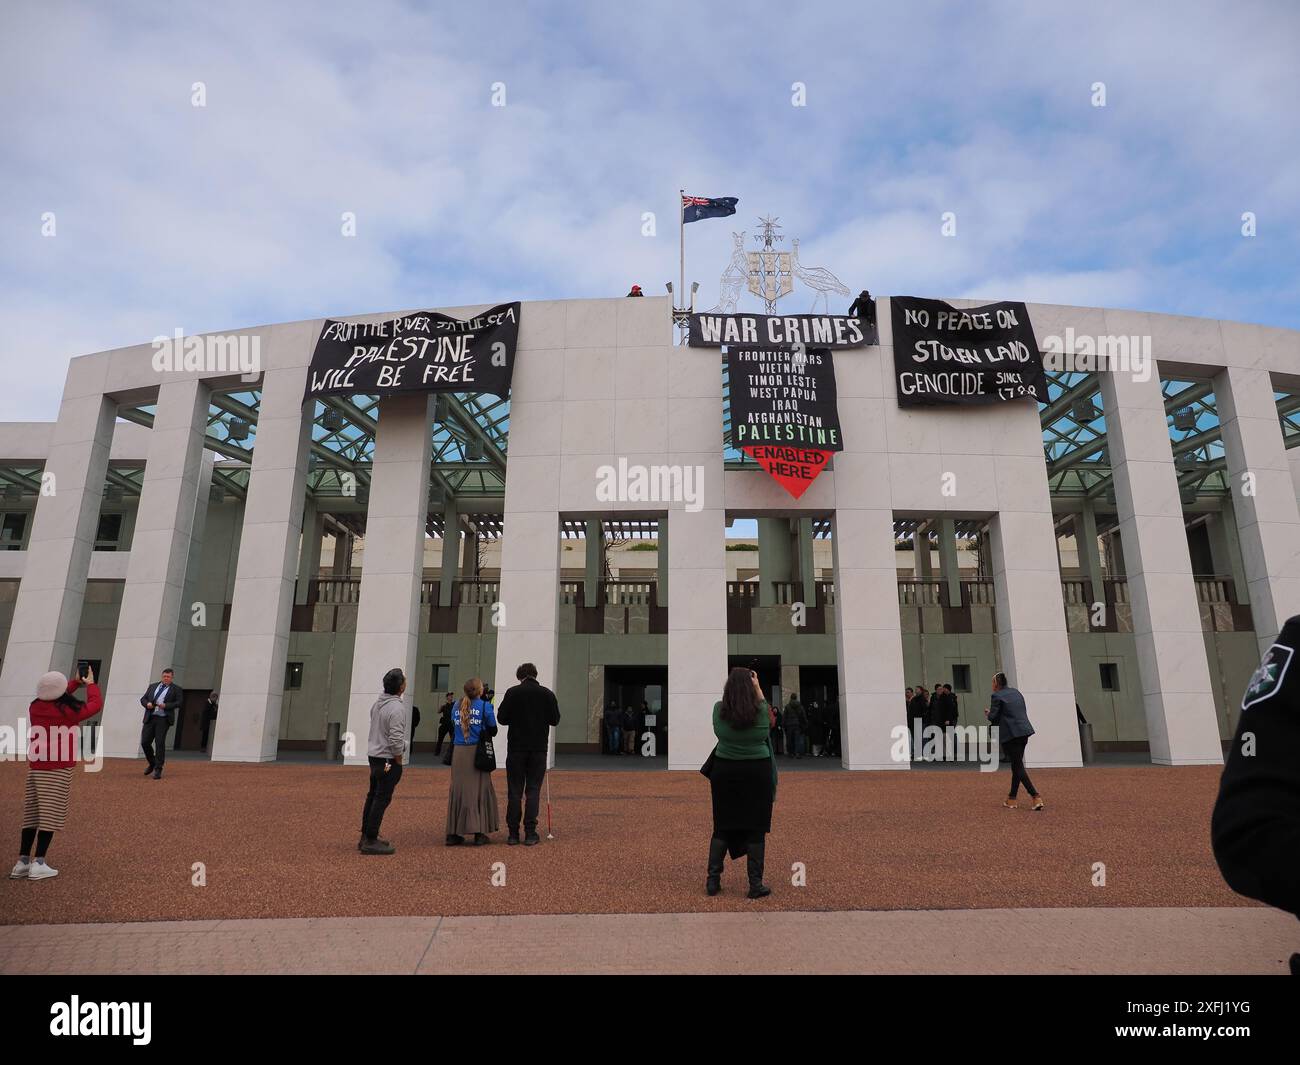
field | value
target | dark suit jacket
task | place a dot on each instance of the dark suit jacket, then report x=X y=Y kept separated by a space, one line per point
x=529 y=710
x=175 y=694
x=1007 y=711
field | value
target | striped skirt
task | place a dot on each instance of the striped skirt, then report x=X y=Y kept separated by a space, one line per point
x=45 y=805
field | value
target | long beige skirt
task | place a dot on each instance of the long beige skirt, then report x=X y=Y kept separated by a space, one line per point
x=472 y=801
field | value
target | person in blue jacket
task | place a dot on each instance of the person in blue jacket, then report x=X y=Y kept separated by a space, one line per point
x=471 y=799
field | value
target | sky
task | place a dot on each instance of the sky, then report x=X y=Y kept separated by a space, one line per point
x=168 y=215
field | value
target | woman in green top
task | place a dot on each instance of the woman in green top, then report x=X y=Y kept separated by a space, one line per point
x=742 y=779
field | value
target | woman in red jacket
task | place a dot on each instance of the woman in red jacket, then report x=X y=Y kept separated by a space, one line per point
x=53 y=742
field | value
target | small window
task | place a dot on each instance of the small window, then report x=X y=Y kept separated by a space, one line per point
x=11 y=532
x=1109 y=677
x=293 y=676
x=109 y=533
x=961 y=678
x=440 y=678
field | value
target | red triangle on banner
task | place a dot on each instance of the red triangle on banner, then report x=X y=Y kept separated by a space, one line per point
x=794 y=468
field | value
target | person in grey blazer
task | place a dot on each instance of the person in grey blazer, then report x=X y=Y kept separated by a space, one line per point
x=1007 y=710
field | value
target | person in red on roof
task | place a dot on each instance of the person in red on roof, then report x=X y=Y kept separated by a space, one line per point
x=636 y=291
x=53 y=745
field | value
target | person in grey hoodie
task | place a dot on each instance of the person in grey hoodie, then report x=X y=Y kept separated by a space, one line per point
x=386 y=746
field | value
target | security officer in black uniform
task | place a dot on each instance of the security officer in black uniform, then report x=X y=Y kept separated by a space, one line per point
x=1255 y=829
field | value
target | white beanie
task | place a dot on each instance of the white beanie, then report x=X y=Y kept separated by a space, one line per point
x=51 y=686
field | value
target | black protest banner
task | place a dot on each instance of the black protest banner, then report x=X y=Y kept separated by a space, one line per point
x=783 y=410
x=421 y=352
x=950 y=355
x=775 y=330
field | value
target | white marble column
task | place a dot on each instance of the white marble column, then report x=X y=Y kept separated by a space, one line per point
x=1032 y=637
x=697 y=627
x=388 y=622
x=1182 y=722
x=529 y=592
x=257 y=645
x=160 y=550
x=1263 y=497
x=47 y=614
x=868 y=632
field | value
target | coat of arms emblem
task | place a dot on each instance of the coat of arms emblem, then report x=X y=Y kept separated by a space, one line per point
x=770 y=273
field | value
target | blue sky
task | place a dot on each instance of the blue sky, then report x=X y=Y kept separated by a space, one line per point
x=171 y=216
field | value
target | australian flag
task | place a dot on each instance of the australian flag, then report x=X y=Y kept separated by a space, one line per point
x=696 y=207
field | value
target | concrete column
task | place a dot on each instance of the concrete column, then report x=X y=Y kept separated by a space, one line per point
x=1182 y=722
x=155 y=577
x=1032 y=637
x=1263 y=497
x=921 y=553
x=697 y=635
x=190 y=594
x=450 y=552
x=591 y=580
x=313 y=530
x=661 y=534
x=388 y=623
x=252 y=675
x=773 y=557
x=47 y=614
x=469 y=563
x=1225 y=549
x=949 y=563
x=868 y=637
x=1085 y=539
x=807 y=561
x=530 y=587
x=342 y=553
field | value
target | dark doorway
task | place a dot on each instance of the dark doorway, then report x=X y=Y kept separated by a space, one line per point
x=645 y=690
x=820 y=684
x=189 y=720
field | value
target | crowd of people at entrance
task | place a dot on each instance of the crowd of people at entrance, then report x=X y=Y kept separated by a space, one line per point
x=623 y=731
x=809 y=729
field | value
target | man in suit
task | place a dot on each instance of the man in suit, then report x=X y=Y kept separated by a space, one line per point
x=1007 y=710
x=160 y=702
x=529 y=710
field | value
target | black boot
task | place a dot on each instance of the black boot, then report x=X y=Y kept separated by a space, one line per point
x=717 y=856
x=754 y=861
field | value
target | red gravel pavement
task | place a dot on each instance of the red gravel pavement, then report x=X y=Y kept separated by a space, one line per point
x=279 y=840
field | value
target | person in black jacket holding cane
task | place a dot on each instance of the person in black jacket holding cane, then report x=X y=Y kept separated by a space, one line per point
x=529 y=710
x=1255 y=828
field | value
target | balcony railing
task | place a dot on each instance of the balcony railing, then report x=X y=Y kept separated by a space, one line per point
x=975 y=591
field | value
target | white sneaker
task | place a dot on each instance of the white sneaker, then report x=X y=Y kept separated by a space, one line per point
x=20 y=870
x=41 y=871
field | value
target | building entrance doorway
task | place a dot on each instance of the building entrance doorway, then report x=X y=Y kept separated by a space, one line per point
x=640 y=695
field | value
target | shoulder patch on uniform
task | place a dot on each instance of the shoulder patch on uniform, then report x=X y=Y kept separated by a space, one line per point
x=1267 y=679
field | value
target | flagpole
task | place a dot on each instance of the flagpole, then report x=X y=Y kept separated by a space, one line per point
x=681 y=244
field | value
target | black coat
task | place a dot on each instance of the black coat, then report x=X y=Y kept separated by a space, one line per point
x=529 y=710
x=1255 y=828
x=175 y=695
